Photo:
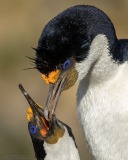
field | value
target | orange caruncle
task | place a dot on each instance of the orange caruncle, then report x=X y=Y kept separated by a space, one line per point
x=29 y=114
x=52 y=77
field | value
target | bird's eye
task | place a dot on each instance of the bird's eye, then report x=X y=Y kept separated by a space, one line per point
x=66 y=64
x=32 y=129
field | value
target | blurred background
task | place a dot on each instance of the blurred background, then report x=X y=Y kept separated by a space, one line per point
x=21 y=23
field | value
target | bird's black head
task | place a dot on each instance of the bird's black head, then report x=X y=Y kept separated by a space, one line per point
x=70 y=34
x=65 y=42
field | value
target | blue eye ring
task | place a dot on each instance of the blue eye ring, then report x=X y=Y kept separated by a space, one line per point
x=66 y=64
x=32 y=129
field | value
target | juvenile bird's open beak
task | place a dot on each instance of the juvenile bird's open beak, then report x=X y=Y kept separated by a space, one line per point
x=39 y=127
x=38 y=114
x=53 y=95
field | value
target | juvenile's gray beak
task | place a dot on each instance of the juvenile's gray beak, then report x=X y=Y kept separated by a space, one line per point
x=38 y=112
x=39 y=126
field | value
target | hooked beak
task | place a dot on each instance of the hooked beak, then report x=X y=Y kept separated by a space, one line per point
x=53 y=96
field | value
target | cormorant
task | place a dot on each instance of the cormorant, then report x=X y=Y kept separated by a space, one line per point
x=80 y=44
x=52 y=139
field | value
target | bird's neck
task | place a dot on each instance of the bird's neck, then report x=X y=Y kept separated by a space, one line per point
x=64 y=149
x=102 y=103
x=103 y=110
x=98 y=66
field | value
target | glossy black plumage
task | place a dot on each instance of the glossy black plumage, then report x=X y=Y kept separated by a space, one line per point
x=120 y=53
x=70 y=34
x=40 y=153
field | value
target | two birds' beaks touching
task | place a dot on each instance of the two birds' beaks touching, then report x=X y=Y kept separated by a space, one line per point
x=81 y=44
x=48 y=130
x=48 y=133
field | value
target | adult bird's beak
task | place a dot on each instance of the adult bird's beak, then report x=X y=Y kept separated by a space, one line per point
x=54 y=94
x=58 y=81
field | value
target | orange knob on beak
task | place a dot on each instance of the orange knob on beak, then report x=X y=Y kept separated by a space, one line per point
x=52 y=77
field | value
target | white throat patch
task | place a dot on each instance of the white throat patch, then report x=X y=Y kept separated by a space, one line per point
x=102 y=103
x=98 y=62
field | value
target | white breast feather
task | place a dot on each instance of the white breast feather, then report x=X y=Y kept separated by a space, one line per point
x=103 y=103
